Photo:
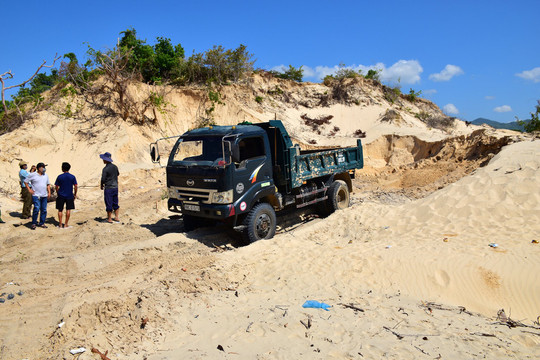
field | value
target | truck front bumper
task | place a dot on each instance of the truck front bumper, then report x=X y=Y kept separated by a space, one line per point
x=209 y=211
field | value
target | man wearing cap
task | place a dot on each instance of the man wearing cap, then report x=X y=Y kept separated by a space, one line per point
x=25 y=194
x=109 y=183
x=65 y=185
x=40 y=188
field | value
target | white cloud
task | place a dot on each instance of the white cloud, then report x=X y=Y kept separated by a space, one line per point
x=447 y=73
x=504 y=108
x=429 y=92
x=279 y=68
x=450 y=109
x=533 y=74
x=403 y=71
x=308 y=72
x=489 y=97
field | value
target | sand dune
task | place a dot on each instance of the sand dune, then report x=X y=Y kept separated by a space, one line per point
x=421 y=267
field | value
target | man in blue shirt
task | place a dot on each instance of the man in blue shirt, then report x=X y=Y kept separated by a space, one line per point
x=66 y=188
x=25 y=194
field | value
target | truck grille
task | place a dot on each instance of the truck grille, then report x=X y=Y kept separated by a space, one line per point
x=191 y=194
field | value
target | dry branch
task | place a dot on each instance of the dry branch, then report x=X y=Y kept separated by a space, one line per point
x=9 y=75
x=103 y=356
x=351 y=306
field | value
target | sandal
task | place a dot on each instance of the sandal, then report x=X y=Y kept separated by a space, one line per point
x=33 y=226
x=43 y=226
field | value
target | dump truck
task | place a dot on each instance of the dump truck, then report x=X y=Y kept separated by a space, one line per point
x=243 y=174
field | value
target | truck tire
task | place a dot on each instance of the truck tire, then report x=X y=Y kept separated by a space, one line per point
x=338 y=197
x=191 y=223
x=260 y=223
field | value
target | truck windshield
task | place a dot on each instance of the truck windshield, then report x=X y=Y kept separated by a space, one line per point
x=205 y=151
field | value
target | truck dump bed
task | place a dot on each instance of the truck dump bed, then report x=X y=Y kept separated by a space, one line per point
x=292 y=167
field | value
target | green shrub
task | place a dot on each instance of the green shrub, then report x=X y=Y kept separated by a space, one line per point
x=259 y=99
x=374 y=75
x=292 y=73
x=532 y=124
x=413 y=95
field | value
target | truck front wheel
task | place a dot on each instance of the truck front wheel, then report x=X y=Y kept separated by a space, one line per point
x=338 y=198
x=260 y=223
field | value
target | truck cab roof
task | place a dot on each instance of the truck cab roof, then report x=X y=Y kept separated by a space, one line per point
x=225 y=130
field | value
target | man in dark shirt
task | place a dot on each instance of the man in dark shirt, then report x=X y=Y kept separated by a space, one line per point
x=65 y=186
x=109 y=183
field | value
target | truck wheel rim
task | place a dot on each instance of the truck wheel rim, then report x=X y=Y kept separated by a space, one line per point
x=342 y=199
x=263 y=226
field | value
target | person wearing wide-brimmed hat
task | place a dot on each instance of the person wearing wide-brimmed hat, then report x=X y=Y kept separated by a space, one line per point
x=40 y=188
x=109 y=185
x=25 y=194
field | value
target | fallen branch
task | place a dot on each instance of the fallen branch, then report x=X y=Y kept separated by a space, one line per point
x=308 y=324
x=103 y=356
x=431 y=305
x=351 y=306
x=506 y=320
x=401 y=336
x=483 y=334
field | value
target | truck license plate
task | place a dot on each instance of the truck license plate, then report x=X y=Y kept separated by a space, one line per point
x=191 y=207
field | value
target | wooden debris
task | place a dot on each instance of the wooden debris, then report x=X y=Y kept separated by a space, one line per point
x=503 y=319
x=103 y=356
x=144 y=322
x=401 y=336
x=351 y=306
x=306 y=324
x=483 y=334
x=431 y=305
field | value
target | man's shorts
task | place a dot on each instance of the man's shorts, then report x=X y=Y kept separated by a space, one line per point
x=60 y=201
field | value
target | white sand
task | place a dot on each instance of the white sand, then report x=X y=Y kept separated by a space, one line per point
x=410 y=265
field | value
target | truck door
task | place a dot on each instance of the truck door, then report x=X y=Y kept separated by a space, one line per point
x=252 y=171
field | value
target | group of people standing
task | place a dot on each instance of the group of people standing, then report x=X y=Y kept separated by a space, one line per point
x=36 y=191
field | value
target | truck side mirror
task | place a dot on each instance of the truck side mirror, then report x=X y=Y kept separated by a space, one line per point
x=235 y=152
x=154 y=153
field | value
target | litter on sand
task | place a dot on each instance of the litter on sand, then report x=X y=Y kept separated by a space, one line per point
x=316 y=305
x=77 y=351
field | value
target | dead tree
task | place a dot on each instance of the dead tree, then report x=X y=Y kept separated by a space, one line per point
x=9 y=75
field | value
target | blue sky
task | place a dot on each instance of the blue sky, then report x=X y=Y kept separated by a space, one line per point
x=473 y=58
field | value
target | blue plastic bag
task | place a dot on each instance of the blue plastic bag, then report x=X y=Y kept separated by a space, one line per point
x=316 y=305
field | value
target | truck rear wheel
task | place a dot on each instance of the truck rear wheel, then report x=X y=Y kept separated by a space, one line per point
x=338 y=198
x=260 y=223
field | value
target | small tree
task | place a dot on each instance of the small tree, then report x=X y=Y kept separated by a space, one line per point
x=532 y=124
x=374 y=74
x=292 y=73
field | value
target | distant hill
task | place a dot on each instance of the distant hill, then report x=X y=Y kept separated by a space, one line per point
x=498 y=125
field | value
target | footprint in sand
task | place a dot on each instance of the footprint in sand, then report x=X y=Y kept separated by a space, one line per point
x=442 y=278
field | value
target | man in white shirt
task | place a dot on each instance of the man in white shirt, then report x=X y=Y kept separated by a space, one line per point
x=40 y=188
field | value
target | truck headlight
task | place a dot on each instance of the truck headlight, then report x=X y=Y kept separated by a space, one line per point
x=225 y=197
